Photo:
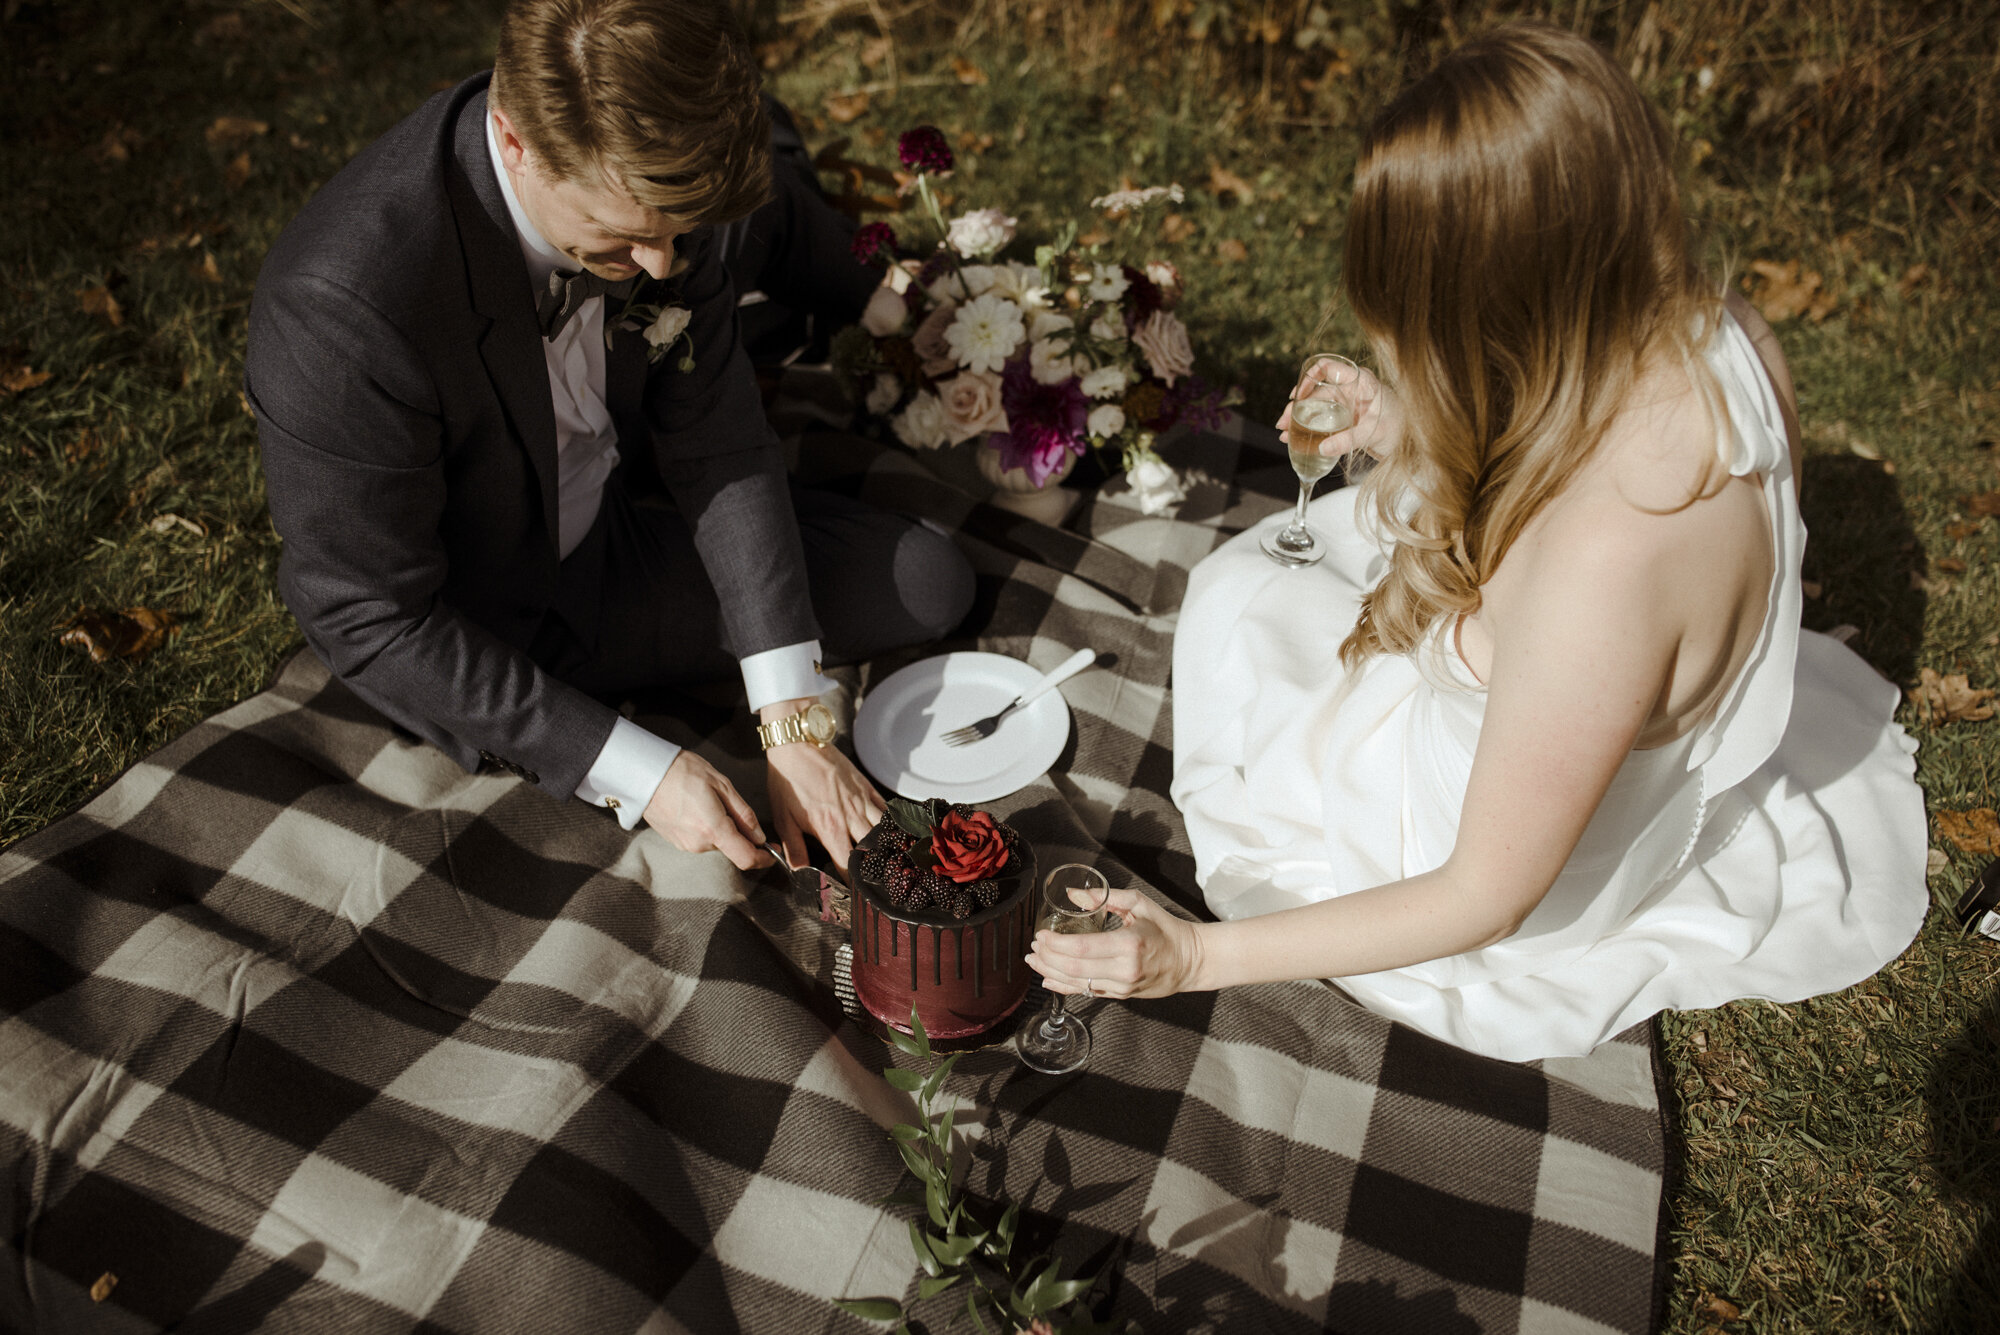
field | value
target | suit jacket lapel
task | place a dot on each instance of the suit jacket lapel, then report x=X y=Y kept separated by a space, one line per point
x=498 y=276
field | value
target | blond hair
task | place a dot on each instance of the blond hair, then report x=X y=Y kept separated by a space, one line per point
x=658 y=97
x=1516 y=254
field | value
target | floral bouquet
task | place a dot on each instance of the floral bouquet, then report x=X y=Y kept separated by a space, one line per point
x=1040 y=362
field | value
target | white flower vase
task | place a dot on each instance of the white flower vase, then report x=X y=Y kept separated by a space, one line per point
x=1013 y=490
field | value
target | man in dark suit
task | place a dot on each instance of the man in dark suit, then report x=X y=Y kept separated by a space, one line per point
x=516 y=451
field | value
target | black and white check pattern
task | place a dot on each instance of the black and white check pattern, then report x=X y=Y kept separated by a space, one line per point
x=304 y=1028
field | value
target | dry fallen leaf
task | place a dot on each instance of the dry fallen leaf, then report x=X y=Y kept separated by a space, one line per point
x=876 y=50
x=207 y=270
x=1975 y=831
x=1811 y=588
x=844 y=108
x=85 y=445
x=1950 y=565
x=966 y=72
x=102 y=1288
x=117 y=144
x=1718 y=1309
x=99 y=301
x=1949 y=699
x=1961 y=530
x=167 y=521
x=234 y=131
x=1986 y=505
x=1782 y=291
x=1176 y=228
x=1222 y=181
x=1913 y=277
x=774 y=55
x=1935 y=861
x=1231 y=251
x=132 y=633
x=237 y=172
x=19 y=377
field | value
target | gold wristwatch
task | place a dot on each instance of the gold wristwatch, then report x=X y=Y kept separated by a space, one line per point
x=812 y=724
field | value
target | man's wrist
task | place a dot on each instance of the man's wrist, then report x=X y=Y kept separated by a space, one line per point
x=798 y=720
x=628 y=771
x=778 y=709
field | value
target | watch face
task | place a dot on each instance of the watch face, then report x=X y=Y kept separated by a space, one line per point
x=819 y=724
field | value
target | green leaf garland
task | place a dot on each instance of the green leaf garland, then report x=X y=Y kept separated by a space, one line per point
x=951 y=1240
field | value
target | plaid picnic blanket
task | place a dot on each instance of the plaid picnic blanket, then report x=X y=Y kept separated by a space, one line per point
x=303 y=1028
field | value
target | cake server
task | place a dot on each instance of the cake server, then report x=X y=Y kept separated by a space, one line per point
x=1069 y=667
x=814 y=885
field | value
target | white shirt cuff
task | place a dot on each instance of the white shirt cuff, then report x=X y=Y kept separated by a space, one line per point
x=626 y=771
x=788 y=673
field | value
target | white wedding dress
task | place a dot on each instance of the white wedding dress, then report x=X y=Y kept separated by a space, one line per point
x=1775 y=851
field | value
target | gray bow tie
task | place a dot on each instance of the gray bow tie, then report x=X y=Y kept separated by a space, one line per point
x=568 y=291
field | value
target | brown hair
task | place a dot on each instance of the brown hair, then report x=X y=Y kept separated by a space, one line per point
x=659 y=97
x=1516 y=254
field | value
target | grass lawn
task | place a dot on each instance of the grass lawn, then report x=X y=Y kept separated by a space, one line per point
x=1842 y=1156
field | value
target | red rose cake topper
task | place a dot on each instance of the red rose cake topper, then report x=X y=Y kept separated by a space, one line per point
x=962 y=845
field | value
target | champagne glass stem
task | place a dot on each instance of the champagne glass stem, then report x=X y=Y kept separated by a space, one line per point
x=1305 y=494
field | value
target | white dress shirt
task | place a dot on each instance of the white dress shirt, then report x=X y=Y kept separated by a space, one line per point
x=633 y=761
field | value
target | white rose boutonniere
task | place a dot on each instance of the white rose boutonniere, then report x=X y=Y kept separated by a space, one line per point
x=661 y=323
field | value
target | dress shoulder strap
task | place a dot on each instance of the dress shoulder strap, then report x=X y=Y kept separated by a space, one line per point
x=1750 y=438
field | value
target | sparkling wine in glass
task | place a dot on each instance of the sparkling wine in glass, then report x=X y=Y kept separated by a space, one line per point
x=1322 y=405
x=1073 y=900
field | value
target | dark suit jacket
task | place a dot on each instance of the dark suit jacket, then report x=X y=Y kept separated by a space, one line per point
x=408 y=435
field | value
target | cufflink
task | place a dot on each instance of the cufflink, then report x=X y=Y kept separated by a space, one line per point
x=611 y=804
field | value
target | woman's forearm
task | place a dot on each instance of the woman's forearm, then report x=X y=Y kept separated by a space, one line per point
x=1388 y=927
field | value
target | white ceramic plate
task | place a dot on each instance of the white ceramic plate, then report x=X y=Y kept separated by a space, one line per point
x=898 y=729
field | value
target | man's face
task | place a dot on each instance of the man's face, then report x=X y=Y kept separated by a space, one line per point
x=599 y=226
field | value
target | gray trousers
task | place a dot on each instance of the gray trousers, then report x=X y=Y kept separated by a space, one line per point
x=879 y=581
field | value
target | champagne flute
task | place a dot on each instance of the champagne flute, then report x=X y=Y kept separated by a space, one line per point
x=1073 y=900
x=1323 y=404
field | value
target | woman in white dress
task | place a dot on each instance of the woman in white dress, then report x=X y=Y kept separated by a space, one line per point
x=1539 y=748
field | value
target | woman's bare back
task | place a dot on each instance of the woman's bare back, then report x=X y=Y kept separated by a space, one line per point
x=1655 y=493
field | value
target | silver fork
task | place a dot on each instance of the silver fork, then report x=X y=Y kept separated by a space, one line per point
x=973 y=732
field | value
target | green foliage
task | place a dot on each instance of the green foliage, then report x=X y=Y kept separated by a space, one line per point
x=916 y=819
x=960 y=1240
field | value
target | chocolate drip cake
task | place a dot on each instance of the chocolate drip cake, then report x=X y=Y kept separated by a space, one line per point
x=943 y=914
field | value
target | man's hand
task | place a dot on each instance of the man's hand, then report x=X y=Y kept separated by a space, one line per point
x=699 y=811
x=817 y=791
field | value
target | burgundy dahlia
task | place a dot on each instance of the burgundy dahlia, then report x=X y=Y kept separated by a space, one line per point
x=924 y=150
x=1045 y=422
x=1145 y=296
x=874 y=243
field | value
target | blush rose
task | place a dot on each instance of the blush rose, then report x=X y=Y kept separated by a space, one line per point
x=972 y=405
x=1164 y=340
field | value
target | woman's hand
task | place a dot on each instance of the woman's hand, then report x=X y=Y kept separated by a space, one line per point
x=1378 y=417
x=1155 y=954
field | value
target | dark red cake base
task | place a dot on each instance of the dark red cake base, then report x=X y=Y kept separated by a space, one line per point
x=964 y=974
